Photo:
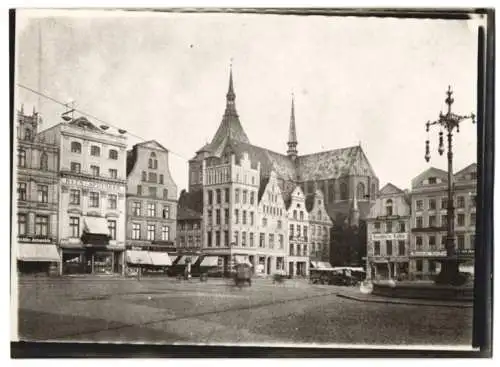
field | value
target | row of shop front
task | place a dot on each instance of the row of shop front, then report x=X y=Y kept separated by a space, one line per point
x=78 y=257
x=417 y=266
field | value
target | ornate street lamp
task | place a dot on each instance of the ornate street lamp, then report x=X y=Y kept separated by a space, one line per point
x=448 y=122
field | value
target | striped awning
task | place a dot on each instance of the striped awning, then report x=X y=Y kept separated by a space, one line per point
x=138 y=257
x=210 y=261
x=38 y=252
x=160 y=258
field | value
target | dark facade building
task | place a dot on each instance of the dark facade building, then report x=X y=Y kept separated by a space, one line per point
x=37 y=198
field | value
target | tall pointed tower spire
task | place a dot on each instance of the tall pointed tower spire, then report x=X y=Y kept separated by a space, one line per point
x=230 y=96
x=230 y=127
x=292 y=134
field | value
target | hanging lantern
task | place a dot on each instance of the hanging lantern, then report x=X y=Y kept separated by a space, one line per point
x=441 y=144
x=458 y=128
x=427 y=151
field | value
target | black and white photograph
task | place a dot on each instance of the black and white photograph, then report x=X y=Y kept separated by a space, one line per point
x=249 y=178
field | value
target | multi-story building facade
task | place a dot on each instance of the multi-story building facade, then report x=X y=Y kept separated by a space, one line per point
x=92 y=196
x=151 y=203
x=230 y=191
x=429 y=219
x=388 y=235
x=189 y=233
x=340 y=174
x=271 y=229
x=320 y=225
x=37 y=198
x=298 y=234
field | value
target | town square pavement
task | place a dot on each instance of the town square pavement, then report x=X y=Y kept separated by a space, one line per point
x=164 y=310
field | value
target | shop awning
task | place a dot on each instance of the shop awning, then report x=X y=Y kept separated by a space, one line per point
x=138 y=257
x=323 y=265
x=183 y=259
x=160 y=258
x=96 y=225
x=210 y=261
x=240 y=259
x=38 y=252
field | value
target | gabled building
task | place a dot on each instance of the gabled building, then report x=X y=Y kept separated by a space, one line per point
x=341 y=174
x=320 y=225
x=37 y=198
x=388 y=235
x=271 y=228
x=92 y=196
x=151 y=203
x=298 y=234
x=429 y=218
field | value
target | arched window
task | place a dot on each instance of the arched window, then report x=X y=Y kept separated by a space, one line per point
x=343 y=191
x=95 y=151
x=27 y=134
x=44 y=161
x=76 y=147
x=113 y=154
x=21 y=158
x=388 y=207
x=331 y=193
x=361 y=191
x=153 y=162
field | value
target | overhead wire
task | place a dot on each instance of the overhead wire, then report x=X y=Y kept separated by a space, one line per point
x=91 y=116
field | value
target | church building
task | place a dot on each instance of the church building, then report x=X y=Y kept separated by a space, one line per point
x=344 y=177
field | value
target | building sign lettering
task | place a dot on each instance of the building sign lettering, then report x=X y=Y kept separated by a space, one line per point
x=30 y=239
x=389 y=236
x=92 y=184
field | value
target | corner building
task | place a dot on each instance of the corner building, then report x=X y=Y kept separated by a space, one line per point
x=429 y=219
x=92 y=196
x=37 y=198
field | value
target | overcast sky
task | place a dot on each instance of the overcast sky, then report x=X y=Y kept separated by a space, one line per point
x=165 y=76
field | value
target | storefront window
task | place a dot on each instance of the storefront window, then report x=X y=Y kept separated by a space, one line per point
x=103 y=263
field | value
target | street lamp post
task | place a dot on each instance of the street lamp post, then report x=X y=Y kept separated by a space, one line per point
x=449 y=122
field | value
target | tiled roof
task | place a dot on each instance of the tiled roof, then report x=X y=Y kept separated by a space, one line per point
x=333 y=164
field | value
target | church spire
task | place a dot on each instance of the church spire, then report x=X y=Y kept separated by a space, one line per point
x=292 y=134
x=230 y=96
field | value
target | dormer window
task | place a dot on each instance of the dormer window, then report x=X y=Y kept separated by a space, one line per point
x=432 y=180
x=388 y=207
x=76 y=147
x=153 y=162
x=27 y=134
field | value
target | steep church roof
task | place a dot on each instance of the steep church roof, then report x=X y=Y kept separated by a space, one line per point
x=333 y=164
x=230 y=127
